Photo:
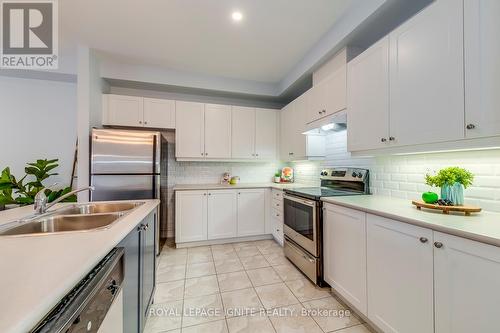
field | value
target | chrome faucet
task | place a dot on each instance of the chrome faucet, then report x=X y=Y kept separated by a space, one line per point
x=41 y=202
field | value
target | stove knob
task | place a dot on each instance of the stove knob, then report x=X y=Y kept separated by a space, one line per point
x=354 y=174
x=360 y=175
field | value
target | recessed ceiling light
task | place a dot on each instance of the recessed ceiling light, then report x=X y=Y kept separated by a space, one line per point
x=237 y=16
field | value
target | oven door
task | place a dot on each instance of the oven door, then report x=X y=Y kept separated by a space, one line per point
x=300 y=216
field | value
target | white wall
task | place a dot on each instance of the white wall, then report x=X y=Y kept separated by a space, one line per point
x=90 y=86
x=38 y=120
x=402 y=176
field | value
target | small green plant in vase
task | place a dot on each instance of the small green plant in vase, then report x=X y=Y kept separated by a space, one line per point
x=452 y=182
x=277 y=177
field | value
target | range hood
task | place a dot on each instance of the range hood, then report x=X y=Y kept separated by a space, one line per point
x=334 y=122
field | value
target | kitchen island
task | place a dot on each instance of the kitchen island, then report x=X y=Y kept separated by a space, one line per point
x=39 y=270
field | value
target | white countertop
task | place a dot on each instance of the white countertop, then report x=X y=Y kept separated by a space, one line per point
x=37 y=271
x=483 y=227
x=278 y=186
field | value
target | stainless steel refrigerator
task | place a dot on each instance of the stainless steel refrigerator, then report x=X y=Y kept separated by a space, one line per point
x=129 y=165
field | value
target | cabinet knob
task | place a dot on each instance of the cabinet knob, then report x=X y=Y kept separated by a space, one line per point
x=391 y=138
x=319 y=112
x=383 y=140
x=438 y=245
x=201 y=154
x=145 y=123
x=140 y=121
x=206 y=154
x=209 y=193
x=204 y=194
x=324 y=111
x=471 y=126
x=423 y=240
x=256 y=154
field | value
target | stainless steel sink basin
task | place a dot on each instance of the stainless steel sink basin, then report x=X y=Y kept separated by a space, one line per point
x=77 y=217
x=63 y=223
x=99 y=208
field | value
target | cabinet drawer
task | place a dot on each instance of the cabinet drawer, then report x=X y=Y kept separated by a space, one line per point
x=277 y=194
x=276 y=214
x=277 y=204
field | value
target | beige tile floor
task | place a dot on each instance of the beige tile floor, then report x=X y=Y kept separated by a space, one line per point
x=242 y=287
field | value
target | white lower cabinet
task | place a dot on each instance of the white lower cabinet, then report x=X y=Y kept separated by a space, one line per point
x=190 y=216
x=221 y=214
x=344 y=243
x=466 y=285
x=399 y=276
x=251 y=212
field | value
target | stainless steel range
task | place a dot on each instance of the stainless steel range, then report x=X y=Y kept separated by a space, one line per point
x=303 y=216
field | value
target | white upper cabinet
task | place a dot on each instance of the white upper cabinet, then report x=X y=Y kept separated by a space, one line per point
x=190 y=130
x=400 y=276
x=266 y=134
x=243 y=132
x=217 y=131
x=368 y=98
x=159 y=113
x=426 y=76
x=466 y=285
x=344 y=244
x=121 y=110
x=328 y=95
x=286 y=132
x=251 y=212
x=482 y=67
x=221 y=214
x=298 y=126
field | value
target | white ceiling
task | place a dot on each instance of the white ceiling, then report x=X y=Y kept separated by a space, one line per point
x=198 y=36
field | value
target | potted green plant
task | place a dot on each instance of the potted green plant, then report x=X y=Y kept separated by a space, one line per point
x=277 y=177
x=14 y=191
x=452 y=182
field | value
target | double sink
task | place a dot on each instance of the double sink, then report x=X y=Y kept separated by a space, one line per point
x=77 y=217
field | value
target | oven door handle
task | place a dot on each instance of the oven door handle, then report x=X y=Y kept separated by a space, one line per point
x=306 y=202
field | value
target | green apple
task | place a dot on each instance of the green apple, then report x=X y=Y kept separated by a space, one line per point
x=430 y=197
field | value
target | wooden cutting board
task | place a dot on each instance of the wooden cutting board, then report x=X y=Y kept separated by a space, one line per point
x=447 y=209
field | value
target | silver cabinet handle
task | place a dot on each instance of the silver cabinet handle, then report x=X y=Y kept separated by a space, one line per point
x=308 y=259
x=391 y=138
x=438 y=245
x=423 y=240
x=471 y=126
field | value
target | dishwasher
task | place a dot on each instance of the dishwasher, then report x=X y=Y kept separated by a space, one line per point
x=94 y=305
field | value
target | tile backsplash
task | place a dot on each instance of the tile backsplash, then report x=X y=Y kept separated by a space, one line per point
x=402 y=176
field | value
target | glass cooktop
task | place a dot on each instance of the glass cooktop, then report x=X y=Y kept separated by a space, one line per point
x=316 y=193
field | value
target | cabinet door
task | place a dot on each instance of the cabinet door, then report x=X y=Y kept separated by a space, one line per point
x=159 y=113
x=148 y=259
x=285 y=132
x=125 y=110
x=336 y=91
x=190 y=216
x=316 y=103
x=130 y=286
x=482 y=67
x=400 y=276
x=466 y=285
x=222 y=214
x=217 y=131
x=251 y=212
x=190 y=130
x=266 y=128
x=426 y=76
x=368 y=98
x=344 y=243
x=243 y=132
x=298 y=126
